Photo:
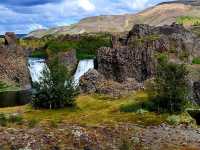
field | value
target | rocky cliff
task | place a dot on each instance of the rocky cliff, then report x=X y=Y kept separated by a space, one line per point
x=133 y=55
x=13 y=66
x=132 y=58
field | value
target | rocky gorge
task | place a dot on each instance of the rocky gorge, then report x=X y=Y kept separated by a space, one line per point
x=132 y=58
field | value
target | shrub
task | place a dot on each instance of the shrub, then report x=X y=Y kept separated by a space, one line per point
x=32 y=123
x=39 y=54
x=86 y=46
x=173 y=120
x=170 y=86
x=3 y=120
x=55 y=89
x=15 y=118
x=196 y=60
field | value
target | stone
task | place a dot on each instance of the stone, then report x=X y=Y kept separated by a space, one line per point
x=10 y=38
x=14 y=64
x=133 y=55
x=94 y=82
x=196 y=92
x=69 y=59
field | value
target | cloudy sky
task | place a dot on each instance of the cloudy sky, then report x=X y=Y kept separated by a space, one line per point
x=23 y=16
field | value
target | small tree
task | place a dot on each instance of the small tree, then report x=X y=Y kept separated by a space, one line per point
x=55 y=89
x=171 y=86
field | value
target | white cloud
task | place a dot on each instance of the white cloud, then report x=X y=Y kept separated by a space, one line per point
x=36 y=26
x=25 y=19
x=86 y=5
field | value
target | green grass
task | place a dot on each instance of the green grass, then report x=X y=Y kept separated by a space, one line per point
x=188 y=20
x=196 y=60
x=4 y=86
x=91 y=110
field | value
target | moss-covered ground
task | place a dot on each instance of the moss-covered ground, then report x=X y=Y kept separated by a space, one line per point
x=94 y=110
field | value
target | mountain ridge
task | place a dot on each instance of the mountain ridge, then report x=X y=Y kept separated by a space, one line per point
x=162 y=14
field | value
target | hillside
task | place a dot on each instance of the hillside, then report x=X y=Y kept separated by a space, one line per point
x=161 y=14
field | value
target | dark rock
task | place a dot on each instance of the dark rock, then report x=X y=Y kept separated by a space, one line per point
x=69 y=59
x=196 y=92
x=133 y=55
x=13 y=66
x=94 y=82
x=10 y=38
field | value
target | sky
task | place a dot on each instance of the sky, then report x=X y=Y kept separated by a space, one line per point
x=23 y=16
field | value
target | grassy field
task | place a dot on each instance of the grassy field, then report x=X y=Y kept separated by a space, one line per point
x=93 y=110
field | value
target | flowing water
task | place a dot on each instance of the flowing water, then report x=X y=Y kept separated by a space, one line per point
x=83 y=67
x=36 y=65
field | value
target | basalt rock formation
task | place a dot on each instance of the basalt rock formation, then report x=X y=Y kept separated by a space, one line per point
x=133 y=55
x=94 y=82
x=13 y=66
x=69 y=59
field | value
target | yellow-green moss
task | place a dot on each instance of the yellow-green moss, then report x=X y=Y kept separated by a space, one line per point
x=91 y=110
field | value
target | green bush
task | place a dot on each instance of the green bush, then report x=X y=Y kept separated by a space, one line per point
x=86 y=46
x=39 y=54
x=196 y=60
x=12 y=118
x=170 y=86
x=15 y=118
x=173 y=120
x=55 y=88
x=168 y=91
x=3 y=120
x=32 y=123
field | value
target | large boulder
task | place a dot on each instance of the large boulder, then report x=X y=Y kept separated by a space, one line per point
x=133 y=55
x=13 y=66
x=94 y=82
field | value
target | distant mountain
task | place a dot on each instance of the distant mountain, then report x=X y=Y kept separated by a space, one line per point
x=18 y=35
x=161 y=14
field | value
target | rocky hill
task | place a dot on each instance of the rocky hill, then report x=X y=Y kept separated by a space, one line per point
x=161 y=14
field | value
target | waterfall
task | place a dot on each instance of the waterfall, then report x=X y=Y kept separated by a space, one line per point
x=36 y=66
x=83 y=67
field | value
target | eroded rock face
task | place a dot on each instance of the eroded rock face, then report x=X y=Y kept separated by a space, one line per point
x=133 y=55
x=69 y=59
x=196 y=92
x=94 y=82
x=13 y=63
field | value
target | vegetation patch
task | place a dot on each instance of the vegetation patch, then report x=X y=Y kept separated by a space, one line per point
x=86 y=46
x=4 y=86
x=196 y=60
x=90 y=110
x=39 y=54
x=188 y=20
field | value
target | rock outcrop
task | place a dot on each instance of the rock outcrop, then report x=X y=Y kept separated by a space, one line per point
x=94 y=82
x=133 y=55
x=196 y=92
x=13 y=66
x=69 y=59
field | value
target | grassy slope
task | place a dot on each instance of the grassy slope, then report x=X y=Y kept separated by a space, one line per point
x=92 y=110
